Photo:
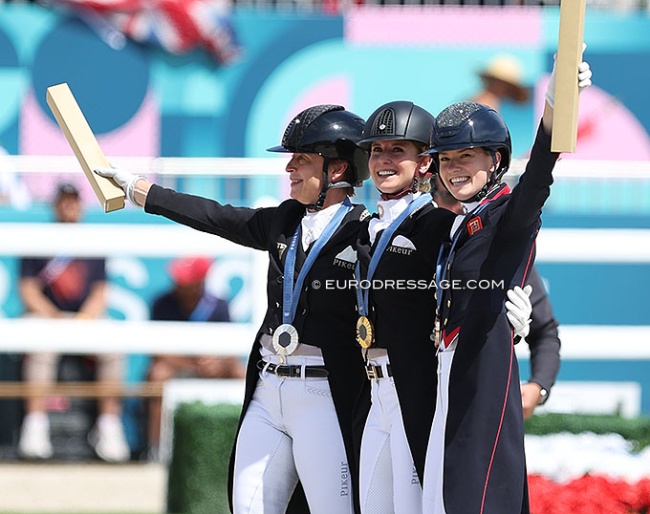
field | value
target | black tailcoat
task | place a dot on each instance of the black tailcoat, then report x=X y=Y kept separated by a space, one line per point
x=325 y=316
x=402 y=312
x=485 y=467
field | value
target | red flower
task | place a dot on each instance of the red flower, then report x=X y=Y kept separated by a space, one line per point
x=641 y=497
x=590 y=494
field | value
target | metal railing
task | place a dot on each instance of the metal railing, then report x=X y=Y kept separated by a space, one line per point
x=340 y=5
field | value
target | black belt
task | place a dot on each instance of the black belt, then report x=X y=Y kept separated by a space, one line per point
x=377 y=372
x=286 y=370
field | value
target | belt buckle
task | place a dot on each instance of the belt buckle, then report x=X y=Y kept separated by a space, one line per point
x=282 y=370
x=371 y=372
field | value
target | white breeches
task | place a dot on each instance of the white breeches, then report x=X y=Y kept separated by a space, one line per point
x=432 y=497
x=290 y=432
x=389 y=483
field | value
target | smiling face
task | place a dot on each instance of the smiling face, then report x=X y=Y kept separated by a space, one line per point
x=306 y=176
x=465 y=171
x=393 y=164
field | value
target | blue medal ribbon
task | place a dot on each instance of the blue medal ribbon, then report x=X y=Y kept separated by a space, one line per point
x=291 y=291
x=363 y=296
x=446 y=256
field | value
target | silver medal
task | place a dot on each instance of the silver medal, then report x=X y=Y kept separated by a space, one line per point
x=285 y=339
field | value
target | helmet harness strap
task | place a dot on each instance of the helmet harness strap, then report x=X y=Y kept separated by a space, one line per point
x=492 y=179
x=323 y=191
x=327 y=186
x=402 y=192
x=489 y=185
x=412 y=189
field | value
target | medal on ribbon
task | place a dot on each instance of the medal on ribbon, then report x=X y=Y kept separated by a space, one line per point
x=443 y=266
x=365 y=332
x=365 y=335
x=435 y=337
x=285 y=338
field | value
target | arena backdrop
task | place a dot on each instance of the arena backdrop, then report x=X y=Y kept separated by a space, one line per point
x=144 y=101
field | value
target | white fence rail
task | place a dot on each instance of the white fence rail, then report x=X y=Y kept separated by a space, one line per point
x=116 y=240
x=593 y=342
x=124 y=336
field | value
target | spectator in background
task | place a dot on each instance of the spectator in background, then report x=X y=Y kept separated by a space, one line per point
x=188 y=300
x=295 y=451
x=75 y=288
x=543 y=339
x=502 y=80
x=13 y=191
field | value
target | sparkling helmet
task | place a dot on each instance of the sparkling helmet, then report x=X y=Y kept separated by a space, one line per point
x=472 y=125
x=329 y=131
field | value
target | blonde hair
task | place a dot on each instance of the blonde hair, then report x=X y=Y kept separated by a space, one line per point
x=424 y=185
x=424 y=182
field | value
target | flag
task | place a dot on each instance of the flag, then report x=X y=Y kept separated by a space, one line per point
x=178 y=26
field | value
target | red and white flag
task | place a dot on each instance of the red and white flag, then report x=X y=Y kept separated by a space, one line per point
x=178 y=26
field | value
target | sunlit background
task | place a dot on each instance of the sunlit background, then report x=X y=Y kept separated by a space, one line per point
x=194 y=102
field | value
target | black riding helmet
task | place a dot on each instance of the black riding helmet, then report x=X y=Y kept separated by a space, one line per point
x=472 y=125
x=331 y=132
x=397 y=120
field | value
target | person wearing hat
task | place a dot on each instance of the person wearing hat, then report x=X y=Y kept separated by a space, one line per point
x=399 y=246
x=68 y=287
x=475 y=459
x=187 y=300
x=501 y=79
x=543 y=338
x=304 y=375
x=397 y=259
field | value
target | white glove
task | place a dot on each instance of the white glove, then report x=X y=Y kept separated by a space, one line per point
x=584 y=79
x=123 y=178
x=584 y=76
x=519 y=309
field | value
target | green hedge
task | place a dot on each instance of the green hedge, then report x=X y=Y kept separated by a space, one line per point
x=635 y=430
x=198 y=471
x=203 y=438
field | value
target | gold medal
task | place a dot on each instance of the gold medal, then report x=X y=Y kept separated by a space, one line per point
x=365 y=336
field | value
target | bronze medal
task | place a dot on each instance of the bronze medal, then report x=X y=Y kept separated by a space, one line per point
x=365 y=335
x=436 y=337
